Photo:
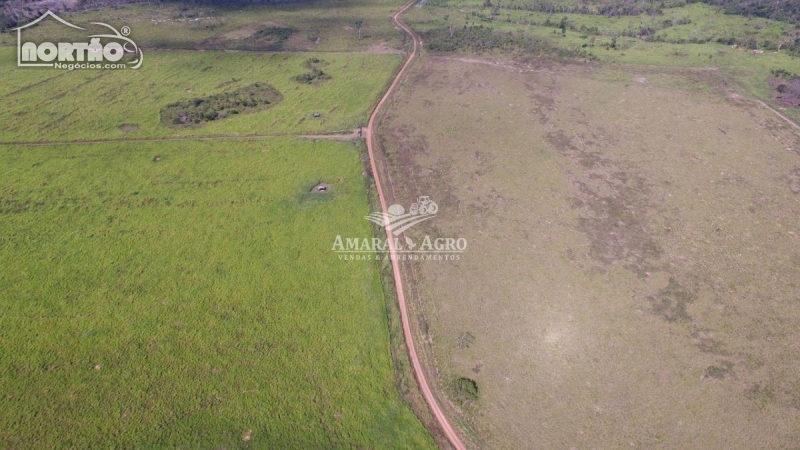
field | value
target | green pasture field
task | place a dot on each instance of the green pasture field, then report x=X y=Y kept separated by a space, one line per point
x=48 y=104
x=184 y=294
x=316 y=25
x=704 y=21
x=747 y=71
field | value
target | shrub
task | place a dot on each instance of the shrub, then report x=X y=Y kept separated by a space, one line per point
x=255 y=97
x=465 y=390
x=316 y=74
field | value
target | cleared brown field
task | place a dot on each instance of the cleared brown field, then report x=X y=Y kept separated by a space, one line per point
x=633 y=271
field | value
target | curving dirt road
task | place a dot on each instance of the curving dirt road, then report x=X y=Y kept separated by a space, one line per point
x=447 y=428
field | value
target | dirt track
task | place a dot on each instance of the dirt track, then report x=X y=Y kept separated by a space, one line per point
x=447 y=428
x=331 y=136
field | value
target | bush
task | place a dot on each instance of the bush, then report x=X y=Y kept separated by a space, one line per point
x=316 y=74
x=255 y=97
x=465 y=390
x=279 y=34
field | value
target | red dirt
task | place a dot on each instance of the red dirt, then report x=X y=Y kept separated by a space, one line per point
x=427 y=393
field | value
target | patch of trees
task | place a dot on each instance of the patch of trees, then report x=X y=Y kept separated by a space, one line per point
x=316 y=74
x=482 y=39
x=257 y=96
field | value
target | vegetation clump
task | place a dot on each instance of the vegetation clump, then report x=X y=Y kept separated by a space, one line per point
x=279 y=34
x=465 y=390
x=257 y=96
x=483 y=39
x=269 y=39
x=311 y=63
x=316 y=74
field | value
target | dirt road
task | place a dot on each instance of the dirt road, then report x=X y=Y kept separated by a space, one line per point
x=447 y=428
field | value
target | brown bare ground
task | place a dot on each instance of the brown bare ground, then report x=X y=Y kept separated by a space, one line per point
x=633 y=267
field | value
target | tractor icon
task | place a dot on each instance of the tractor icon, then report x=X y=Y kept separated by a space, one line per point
x=424 y=205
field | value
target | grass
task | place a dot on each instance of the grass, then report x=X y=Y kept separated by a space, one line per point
x=317 y=26
x=183 y=293
x=51 y=105
x=747 y=71
x=632 y=267
x=191 y=300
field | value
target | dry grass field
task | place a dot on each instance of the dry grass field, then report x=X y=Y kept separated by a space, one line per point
x=633 y=270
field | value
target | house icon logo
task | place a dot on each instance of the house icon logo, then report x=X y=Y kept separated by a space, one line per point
x=109 y=50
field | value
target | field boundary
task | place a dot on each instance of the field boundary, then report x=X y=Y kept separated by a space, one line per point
x=336 y=135
x=778 y=113
x=405 y=381
x=448 y=429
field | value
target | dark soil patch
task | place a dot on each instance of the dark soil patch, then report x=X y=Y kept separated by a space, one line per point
x=672 y=301
x=718 y=372
x=706 y=342
x=465 y=340
x=610 y=202
x=786 y=87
